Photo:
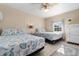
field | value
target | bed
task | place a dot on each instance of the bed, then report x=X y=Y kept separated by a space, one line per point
x=17 y=43
x=51 y=37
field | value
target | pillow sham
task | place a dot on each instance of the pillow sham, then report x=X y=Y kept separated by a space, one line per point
x=13 y=31
x=41 y=30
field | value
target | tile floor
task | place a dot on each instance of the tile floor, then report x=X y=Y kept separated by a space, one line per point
x=51 y=48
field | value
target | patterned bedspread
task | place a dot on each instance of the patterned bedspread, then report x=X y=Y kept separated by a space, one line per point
x=50 y=35
x=20 y=45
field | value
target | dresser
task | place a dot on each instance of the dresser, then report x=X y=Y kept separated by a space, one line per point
x=72 y=33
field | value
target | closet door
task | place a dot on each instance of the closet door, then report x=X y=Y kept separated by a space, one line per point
x=73 y=33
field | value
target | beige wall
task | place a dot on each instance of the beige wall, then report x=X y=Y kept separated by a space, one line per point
x=19 y=19
x=73 y=15
x=16 y=18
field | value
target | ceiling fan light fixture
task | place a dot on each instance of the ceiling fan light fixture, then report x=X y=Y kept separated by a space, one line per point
x=45 y=7
x=46 y=10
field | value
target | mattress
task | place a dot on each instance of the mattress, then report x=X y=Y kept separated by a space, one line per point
x=50 y=35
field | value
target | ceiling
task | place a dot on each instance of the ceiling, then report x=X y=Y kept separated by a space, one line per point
x=34 y=8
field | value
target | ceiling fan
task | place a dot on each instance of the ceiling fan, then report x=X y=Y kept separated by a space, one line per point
x=46 y=6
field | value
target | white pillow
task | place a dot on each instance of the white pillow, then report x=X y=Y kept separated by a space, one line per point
x=41 y=30
x=12 y=31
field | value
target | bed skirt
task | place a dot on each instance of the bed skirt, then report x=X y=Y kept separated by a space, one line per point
x=53 y=41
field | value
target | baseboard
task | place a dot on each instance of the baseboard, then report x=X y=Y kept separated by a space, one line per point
x=73 y=43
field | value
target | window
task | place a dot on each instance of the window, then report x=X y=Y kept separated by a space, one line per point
x=58 y=26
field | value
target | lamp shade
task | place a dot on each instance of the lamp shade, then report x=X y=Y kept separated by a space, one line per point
x=30 y=26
